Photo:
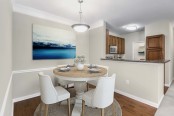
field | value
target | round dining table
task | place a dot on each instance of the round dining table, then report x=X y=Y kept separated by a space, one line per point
x=79 y=77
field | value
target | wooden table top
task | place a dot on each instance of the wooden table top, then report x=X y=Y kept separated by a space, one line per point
x=80 y=74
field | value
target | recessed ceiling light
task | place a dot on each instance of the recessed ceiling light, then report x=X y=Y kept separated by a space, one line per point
x=131 y=27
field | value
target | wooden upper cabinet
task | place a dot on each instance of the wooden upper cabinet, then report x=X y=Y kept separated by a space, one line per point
x=156 y=41
x=119 y=46
x=114 y=41
x=111 y=40
x=107 y=41
x=155 y=47
x=123 y=46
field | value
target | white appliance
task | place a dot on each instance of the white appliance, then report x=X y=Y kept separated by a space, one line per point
x=139 y=51
x=113 y=50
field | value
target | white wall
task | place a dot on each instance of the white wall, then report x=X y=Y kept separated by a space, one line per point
x=114 y=34
x=26 y=83
x=163 y=27
x=22 y=43
x=129 y=40
x=171 y=27
x=5 y=58
x=97 y=44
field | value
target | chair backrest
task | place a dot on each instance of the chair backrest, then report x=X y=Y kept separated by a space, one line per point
x=104 y=92
x=48 y=92
x=52 y=75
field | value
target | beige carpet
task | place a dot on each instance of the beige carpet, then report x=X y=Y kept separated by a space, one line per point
x=61 y=110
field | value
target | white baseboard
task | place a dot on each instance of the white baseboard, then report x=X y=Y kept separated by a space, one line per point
x=26 y=97
x=156 y=105
x=168 y=85
x=160 y=100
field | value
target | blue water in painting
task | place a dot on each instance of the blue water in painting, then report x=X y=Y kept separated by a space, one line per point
x=54 y=53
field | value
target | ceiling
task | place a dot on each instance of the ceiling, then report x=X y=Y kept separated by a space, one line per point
x=116 y=13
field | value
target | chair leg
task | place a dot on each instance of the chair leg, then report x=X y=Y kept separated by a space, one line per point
x=40 y=109
x=102 y=112
x=87 y=86
x=69 y=109
x=113 y=109
x=83 y=107
x=46 y=110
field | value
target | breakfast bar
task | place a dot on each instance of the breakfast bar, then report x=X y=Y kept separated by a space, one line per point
x=142 y=80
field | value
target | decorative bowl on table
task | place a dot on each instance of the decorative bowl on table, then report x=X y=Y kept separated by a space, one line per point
x=70 y=65
x=94 y=70
x=64 y=69
x=92 y=66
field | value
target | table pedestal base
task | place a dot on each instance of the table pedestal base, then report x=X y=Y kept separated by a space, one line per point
x=77 y=108
x=80 y=88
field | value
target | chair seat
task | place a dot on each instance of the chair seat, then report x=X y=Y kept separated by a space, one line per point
x=93 y=82
x=64 y=82
x=87 y=97
x=63 y=94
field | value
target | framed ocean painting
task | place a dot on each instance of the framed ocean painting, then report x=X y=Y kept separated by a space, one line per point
x=53 y=43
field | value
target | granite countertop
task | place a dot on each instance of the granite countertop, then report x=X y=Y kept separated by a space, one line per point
x=143 y=61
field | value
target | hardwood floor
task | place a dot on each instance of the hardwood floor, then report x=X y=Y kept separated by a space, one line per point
x=129 y=107
x=165 y=89
x=26 y=107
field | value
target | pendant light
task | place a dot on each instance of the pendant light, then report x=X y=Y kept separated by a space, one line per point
x=80 y=27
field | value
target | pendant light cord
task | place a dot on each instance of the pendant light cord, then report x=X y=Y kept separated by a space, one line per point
x=80 y=12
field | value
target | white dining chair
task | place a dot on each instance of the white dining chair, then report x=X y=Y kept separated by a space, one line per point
x=52 y=75
x=51 y=94
x=94 y=82
x=64 y=83
x=102 y=96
